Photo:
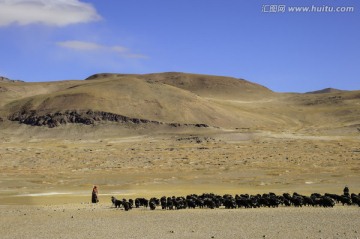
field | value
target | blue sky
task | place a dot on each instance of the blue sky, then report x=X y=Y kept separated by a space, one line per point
x=47 y=40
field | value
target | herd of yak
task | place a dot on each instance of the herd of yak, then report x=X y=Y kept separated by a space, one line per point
x=210 y=200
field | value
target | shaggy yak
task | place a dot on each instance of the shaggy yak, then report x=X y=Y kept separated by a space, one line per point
x=116 y=202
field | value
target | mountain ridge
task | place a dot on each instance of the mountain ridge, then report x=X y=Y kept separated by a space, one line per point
x=179 y=99
x=5 y=79
x=325 y=90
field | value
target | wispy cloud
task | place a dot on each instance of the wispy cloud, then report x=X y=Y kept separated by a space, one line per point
x=80 y=45
x=90 y=46
x=47 y=12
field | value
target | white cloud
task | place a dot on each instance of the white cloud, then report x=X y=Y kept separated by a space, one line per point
x=135 y=56
x=90 y=46
x=80 y=45
x=47 y=12
x=119 y=49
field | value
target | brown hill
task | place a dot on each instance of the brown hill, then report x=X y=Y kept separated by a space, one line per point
x=175 y=99
x=324 y=91
x=203 y=85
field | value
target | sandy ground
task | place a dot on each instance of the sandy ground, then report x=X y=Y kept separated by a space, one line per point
x=102 y=221
x=45 y=185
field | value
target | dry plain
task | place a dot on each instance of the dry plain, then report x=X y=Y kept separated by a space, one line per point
x=160 y=165
x=46 y=187
x=256 y=141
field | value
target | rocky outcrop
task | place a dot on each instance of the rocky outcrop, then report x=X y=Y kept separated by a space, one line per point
x=80 y=117
x=89 y=117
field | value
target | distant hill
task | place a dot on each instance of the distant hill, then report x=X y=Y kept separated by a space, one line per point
x=326 y=90
x=204 y=85
x=174 y=99
x=4 y=79
x=164 y=97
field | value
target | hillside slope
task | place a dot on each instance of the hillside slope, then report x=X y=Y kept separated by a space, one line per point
x=324 y=91
x=177 y=99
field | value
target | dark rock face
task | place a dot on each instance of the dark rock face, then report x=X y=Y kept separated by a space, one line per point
x=1 y=120
x=82 y=117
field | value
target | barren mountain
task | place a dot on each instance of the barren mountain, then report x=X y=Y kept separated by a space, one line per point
x=172 y=133
x=175 y=99
x=326 y=90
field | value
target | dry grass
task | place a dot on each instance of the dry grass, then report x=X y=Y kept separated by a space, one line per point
x=218 y=162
